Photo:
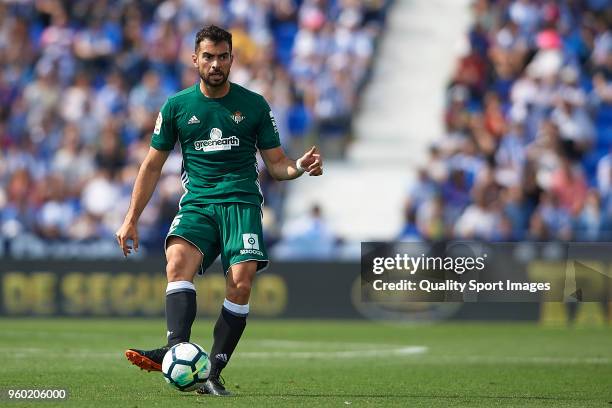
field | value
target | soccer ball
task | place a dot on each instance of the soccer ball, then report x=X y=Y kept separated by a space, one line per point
x=186 y=366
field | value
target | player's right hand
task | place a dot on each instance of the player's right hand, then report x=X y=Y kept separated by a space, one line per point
x=128 y=231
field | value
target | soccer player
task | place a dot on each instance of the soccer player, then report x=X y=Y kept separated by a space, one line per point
x=220 y=126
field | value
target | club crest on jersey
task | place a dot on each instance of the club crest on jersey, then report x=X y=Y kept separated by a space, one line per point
x=238 y=117
x=216 y=142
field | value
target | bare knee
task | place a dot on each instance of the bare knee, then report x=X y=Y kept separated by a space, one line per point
x=239 y=281
x=239 y=292
x=176 y=270
x=183 y=260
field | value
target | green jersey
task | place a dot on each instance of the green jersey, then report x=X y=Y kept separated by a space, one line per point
x=219 y=138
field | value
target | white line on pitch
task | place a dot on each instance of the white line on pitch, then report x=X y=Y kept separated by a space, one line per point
x=400 y=351
x=298 y=344
x=517 y=360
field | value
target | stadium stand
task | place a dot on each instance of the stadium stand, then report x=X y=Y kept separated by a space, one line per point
x=81 y=84
x=526 y=151
x=398 y=117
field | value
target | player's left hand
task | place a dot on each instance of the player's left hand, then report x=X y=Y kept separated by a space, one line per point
x=312 y=162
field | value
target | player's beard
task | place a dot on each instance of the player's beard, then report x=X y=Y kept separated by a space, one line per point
x=214 y=82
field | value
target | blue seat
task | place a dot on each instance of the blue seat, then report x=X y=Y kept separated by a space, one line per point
x=604 y=135
x=604 y=116
x=284 y=35
x=589 y=163
x=298 y=120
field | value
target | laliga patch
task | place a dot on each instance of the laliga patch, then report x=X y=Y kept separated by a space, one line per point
x=158 y=124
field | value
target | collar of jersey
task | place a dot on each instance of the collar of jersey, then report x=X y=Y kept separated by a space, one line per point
x=206 y=98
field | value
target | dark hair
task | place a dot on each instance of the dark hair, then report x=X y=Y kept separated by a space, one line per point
x=214 y=34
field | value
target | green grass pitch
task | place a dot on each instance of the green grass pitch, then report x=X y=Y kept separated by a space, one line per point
x=320 y=363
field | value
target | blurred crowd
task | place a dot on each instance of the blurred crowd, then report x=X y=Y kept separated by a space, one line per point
x=81 y=84
x=527 y=149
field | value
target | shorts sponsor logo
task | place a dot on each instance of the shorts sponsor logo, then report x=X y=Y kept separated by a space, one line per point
x=217 y=142
x=251 y=245
x=251 y=252
x=250 y=241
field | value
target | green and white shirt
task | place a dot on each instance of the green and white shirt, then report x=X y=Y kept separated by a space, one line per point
x=219 y=138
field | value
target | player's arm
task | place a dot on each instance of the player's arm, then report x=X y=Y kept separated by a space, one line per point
x=148 y=176
x=278 y=164
x=282 y=167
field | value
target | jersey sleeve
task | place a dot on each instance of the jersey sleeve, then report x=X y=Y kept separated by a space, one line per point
x=267 y=131
x=164 y=135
